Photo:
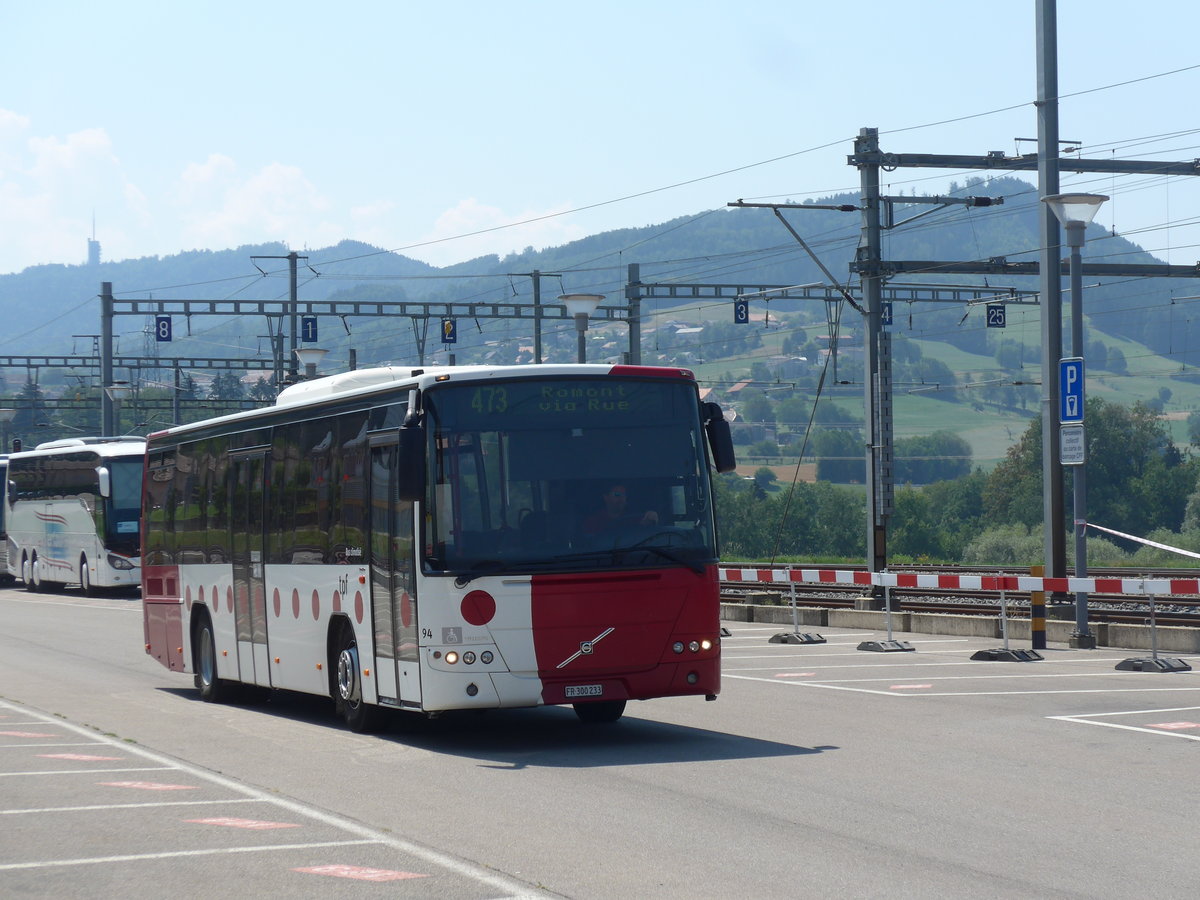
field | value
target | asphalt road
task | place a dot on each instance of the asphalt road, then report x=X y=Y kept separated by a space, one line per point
x=821 y=771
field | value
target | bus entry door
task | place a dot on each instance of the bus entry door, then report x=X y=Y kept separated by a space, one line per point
x=249 y=590
x=393 y=581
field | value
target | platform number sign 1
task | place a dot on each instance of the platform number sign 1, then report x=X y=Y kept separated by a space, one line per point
x=308 y=329
x=162 y=329
x=449 y=331
x=741 y=312
x=997 y=315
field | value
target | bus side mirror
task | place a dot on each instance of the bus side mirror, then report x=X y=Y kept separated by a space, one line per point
x=720 y=441
x=410 y=475
x=105 y=481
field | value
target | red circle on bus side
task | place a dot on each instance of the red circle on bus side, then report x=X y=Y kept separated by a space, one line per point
x=406 y=610
x=358 y=606
x=337 y=601
x=200 y=600
x=478 y=607
x=295 y=603
x=316 y=605
x=277 y=602
x=187 y=598
x=229 y=598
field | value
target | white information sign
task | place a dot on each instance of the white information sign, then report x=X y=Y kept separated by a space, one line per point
x=1071 y=445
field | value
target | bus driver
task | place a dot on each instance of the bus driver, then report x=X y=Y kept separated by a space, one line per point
x=612 y=515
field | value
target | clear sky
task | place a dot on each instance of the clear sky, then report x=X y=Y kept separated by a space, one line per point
x=415 y=126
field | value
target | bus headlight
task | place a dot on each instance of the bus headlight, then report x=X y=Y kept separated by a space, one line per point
x=677 y=646
x=119 y=562
x=452 y=657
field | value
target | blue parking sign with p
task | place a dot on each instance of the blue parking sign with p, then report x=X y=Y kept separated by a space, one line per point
x=1070 y=390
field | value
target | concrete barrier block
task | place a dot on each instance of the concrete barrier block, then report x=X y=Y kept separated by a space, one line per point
x=948 y=623
x=1171 y=638
x=872 y=619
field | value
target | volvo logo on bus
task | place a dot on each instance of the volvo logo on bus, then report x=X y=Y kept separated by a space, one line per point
x=586 y=648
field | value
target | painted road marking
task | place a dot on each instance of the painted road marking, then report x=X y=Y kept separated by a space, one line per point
x=252 y=824
x=79 y=757
x=105 y=807
x=148 y=785
x=359 y=873
x=505 y=886
x=795 y=674
x=910 y=687
x=1176 y=726
x=1091 y=719
x=81 y=771
x=25 y=734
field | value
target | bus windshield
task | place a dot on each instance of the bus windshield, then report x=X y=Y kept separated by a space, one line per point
x=566 y=474
x=125 y=475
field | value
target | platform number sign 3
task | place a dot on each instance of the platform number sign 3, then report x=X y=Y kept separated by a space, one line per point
x=741 y=312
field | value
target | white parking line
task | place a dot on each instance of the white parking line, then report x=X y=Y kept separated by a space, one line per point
x=1087 y=719
x=512 y=889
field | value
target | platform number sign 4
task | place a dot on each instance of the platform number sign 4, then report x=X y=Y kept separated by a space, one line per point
x=997 y=315
x=162 y=329
x=308 y=329
x=885 y=310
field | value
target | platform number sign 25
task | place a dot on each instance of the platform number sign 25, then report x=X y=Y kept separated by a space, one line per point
x=997 y=315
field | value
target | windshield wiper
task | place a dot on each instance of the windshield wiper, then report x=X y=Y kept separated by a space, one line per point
x=666 y=554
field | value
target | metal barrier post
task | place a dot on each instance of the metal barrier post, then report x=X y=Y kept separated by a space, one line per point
x=795 y=636
x=1153 y=663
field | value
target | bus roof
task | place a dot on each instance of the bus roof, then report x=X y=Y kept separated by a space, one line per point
x=102 y=447
x=365 y=382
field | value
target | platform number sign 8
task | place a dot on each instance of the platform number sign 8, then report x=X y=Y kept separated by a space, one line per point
x=997 y=315
x=162 y=329
x=741 y=312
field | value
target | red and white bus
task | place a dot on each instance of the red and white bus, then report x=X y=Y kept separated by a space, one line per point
x=441 y=539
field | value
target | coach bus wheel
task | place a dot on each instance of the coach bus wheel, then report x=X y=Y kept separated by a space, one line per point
x=85 y=578
x=600 y=711
x=27 y=573
x=360 y=717
x=212 y=689
x=35 y=574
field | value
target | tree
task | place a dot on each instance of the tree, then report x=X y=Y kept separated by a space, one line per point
x=226 y=386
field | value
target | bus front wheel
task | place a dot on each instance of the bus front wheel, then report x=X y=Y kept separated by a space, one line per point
x=360 y=716
x=212 y=689
x=600 y=711
x=34 y=583
x=85 y=578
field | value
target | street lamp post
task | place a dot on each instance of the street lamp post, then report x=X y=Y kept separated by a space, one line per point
x=581 y=307
x=1075 y=212
x=117 y=391
x=310 y=358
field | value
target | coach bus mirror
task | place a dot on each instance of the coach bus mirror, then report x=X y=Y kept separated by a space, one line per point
x=410 y=475
x=105 y=481
x=720 y=441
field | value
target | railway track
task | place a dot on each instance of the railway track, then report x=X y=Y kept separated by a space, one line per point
x=1126 y=609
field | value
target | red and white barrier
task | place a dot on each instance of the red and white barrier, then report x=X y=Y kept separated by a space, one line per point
x=1156 y=587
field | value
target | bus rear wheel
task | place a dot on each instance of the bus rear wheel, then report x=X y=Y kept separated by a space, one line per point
x=34 y=583
x=600 y=712
x=212 y=689
x=360 y=716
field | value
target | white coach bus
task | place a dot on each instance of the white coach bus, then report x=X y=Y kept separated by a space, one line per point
x=73 y=510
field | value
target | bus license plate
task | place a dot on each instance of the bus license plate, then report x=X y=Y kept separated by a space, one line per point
x=585 y=690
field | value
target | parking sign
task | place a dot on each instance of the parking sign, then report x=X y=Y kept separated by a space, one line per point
x=1070 y=390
